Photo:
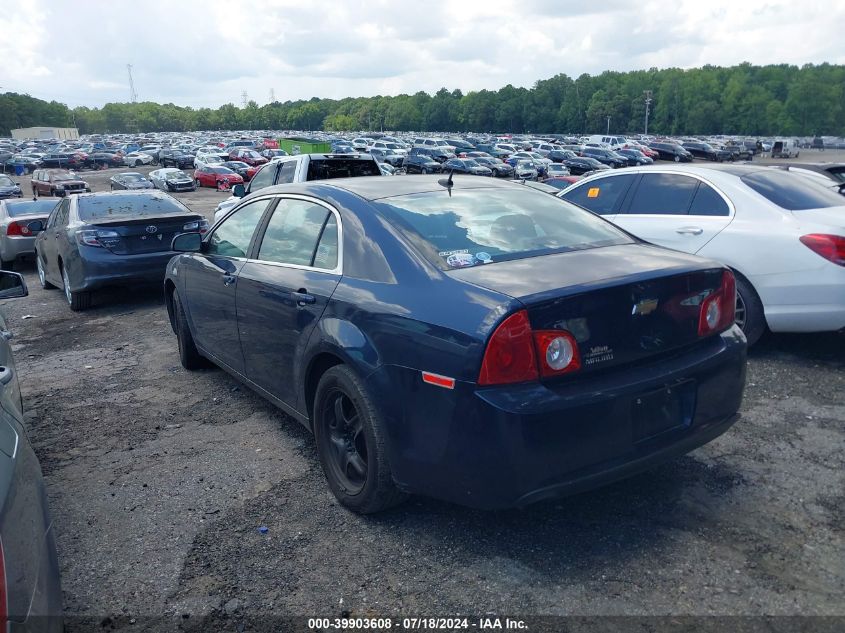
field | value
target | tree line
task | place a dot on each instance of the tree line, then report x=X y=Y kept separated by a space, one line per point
x=745 y=99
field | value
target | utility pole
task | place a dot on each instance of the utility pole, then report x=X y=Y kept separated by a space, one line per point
x=647 y=94
x=133 y=96
x=608 y=125
x=272 y=95
x=244 y=98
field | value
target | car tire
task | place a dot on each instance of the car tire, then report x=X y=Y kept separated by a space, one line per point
x=749 y=311
x=42 y=276
x=351 y=446
x=137 y=163
x=78 y=301
x=189 y=356
x=677 y=158
x=197 y=183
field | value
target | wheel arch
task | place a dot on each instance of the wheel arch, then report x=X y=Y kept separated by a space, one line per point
x=169 y=289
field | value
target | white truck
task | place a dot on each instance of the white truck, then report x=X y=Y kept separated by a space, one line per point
x=301 y=168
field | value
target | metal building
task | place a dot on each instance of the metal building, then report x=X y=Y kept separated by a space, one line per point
x=60 y=133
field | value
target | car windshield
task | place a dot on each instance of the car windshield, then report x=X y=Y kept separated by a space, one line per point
x=471 y=227
x=525 y=164
x=469 y=162
x=98 y=208
x=220 y=170
x=175 y=175
x=17 y=208
x=792 y=192
x=5 y=181
x=133 y=177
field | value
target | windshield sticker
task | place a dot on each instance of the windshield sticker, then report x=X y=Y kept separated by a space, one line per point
x=460 y=260
x=483 y=257
x=593 y=192
x=447 y=253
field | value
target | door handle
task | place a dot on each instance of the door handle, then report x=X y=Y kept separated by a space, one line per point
x=302 y=297
x=690 y=230
x=228 y=280
x=5 y=375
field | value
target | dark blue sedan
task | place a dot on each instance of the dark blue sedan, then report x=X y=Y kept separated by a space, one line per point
x=471 y=340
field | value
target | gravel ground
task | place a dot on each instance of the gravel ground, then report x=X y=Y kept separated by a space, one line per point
x=159 y=478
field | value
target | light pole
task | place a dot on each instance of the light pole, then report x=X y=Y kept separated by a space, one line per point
x=608 y=125
x=647 y=94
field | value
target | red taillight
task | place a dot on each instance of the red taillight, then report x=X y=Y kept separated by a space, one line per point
x=718 y=310
x=831 y=247
x=557 y=351
x=515 y=353
x=509 y=356
x=16 y=229
x=4 y=606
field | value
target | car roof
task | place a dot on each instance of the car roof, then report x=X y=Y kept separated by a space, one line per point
x=377 y=187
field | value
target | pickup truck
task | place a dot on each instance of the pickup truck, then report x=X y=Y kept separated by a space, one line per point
x=301 y=168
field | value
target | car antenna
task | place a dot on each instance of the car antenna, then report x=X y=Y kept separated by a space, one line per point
x=447 y=182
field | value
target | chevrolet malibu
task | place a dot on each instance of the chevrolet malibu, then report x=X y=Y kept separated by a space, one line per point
x=466 y=339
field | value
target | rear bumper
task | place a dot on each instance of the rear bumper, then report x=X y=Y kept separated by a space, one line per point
x=102 y=268
x=503 y=447
x=13 y=247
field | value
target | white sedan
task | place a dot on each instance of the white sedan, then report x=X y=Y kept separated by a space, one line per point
x=136 y=159
x=783 y=235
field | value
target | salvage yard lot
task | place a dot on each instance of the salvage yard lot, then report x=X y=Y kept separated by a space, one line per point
x=159 y=478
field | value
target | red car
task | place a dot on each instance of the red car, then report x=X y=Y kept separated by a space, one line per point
x=248 y=156
x=221 y=178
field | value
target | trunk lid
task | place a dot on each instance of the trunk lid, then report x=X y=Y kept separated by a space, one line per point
x=144 y=235
x=831 y=216
x=621 y=303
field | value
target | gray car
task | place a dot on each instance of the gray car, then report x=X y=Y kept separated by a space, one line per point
x=129 y=180
x=172 y=179
x=29 y=568
x=20 y=222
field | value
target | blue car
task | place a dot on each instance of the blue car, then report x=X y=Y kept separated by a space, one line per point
x=467 y=339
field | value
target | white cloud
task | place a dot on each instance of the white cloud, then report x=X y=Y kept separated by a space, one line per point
x=205 y=53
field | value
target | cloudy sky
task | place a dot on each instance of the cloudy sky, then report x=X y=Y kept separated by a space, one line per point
x=206 y=53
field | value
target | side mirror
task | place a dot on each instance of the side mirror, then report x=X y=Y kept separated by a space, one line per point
x=239 y=191
x=12 y=285
x=35 y=226
x=187 y=243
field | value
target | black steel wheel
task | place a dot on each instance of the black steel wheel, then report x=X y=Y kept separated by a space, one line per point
x=350 y=443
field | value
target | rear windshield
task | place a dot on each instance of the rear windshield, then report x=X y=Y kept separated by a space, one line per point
x=325 y=168
x=791 y=192
x=837 y=172
x=98 y=208
x=16 y=208
x=480 y=226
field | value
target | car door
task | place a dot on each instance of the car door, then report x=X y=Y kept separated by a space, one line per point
x=675 y=210
x=211 y=281
x=284 y=289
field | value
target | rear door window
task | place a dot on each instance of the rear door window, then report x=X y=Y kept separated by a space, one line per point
x=287 y=172
x=708 y=202
x=294 y=232
x=663 y=194
x=603 y=196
